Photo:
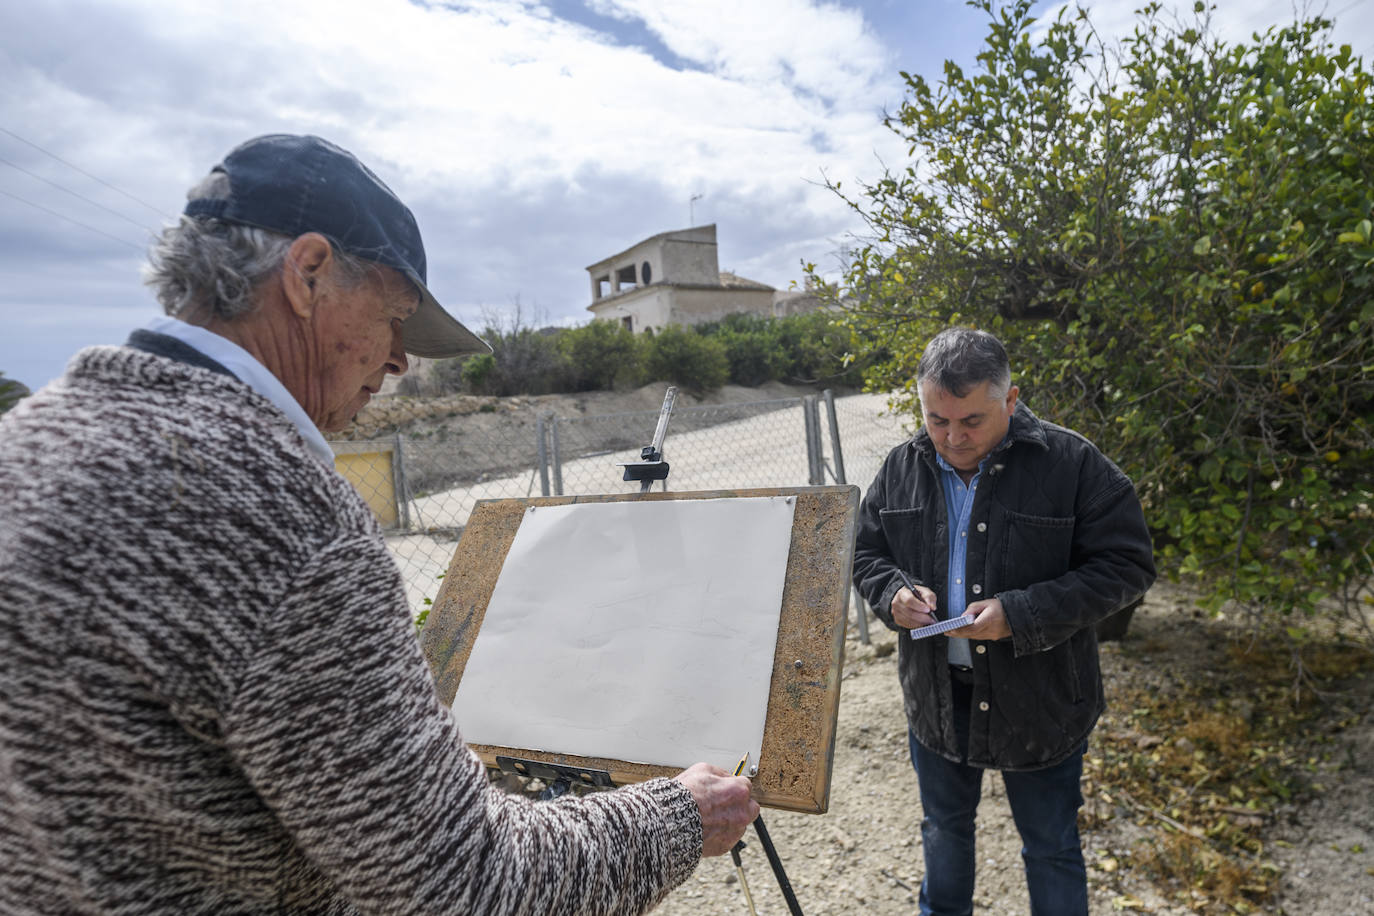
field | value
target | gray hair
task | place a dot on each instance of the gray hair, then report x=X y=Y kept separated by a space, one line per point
x=202 y=263
x=959 y=359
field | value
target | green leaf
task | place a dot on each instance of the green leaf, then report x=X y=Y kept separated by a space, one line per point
x=1196 y=308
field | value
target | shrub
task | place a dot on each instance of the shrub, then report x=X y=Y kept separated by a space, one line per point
x=752 y=348
x=602 y=355
x=687 y=359
x=11 y=392
x=821 y=350
x=475 y=370
x=524 y=360
x=1175 y=238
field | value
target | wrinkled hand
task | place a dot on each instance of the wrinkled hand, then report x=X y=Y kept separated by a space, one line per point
x=912 y=610
x=725 y=805
x=990 y=621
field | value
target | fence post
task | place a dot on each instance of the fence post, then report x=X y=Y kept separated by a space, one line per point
x=860 y=606
x=398 y=471
x=541 y=446
x=835 y=449
x=811 y=416
x=557 y=461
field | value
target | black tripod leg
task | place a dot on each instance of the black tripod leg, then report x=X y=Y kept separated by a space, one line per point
x=774 y=861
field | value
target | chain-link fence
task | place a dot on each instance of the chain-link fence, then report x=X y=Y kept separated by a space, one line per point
x=424 y=485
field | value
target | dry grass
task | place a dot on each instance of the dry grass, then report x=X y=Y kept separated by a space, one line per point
x=1204 y=764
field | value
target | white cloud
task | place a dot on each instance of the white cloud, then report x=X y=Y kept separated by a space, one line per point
x=529 y=145
x=824 y=50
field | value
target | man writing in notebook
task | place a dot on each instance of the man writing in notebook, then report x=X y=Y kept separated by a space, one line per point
x=1027 y=529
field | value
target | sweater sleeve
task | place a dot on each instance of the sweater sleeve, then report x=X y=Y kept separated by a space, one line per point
x=337 y=725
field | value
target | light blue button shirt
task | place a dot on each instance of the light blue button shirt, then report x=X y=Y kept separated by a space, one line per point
x=958 y=508
x=252 y=373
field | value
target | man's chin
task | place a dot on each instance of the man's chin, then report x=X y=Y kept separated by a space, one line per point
x=337 y=423
x=340 y=422
x=961 y=461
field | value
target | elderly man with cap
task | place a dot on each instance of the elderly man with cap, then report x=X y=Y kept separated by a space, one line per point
x=211 y=696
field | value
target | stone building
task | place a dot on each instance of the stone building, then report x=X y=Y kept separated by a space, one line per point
x=675 y=278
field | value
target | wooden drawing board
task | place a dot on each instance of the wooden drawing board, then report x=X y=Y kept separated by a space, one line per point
x=797 y=754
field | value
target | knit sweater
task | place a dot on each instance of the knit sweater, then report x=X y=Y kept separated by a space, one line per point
x=212 y=699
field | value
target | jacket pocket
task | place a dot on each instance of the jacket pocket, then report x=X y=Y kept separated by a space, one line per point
x=902 y=528
x=1035 y=548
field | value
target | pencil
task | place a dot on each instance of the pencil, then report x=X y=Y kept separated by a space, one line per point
x=906 y=580
x=739 y=767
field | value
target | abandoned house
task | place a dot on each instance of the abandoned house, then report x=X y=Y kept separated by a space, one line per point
x=675 y=278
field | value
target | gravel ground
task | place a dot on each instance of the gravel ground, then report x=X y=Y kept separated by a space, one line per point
x=864 y=854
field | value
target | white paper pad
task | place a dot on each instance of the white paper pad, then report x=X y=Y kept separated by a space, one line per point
x=942 y=626
x=638 y=631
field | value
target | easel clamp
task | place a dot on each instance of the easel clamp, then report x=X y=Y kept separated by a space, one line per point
x=650 y=467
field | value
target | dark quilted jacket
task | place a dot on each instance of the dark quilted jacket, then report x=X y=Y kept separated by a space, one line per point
x=1058 y=534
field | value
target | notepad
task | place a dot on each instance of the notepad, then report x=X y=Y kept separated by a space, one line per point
x=943 y=626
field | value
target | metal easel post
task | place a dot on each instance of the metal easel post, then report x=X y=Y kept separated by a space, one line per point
x=651 y=466
x=786 y=886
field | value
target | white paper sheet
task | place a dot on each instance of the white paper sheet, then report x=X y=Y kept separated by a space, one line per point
x=639 y=631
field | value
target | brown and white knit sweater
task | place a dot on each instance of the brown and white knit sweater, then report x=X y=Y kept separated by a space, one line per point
x=212 y=699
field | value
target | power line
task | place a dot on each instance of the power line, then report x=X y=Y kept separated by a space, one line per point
x=59 y=187
x=1345 y=9
x=86 y=173
x=1335 y=17
x=78 y=222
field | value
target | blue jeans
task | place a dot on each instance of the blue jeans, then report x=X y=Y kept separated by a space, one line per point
x=1044 y=805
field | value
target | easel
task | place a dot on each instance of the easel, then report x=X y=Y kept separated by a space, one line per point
x=649 y=468
x=803 y=671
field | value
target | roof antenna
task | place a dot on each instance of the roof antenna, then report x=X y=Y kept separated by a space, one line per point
x=691 y=210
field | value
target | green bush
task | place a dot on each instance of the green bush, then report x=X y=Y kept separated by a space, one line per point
x=1174 y=239
x=822 y=351
x=524 y=360
x=601 y=356
x=11 y=392
x=475 y=370
x=752 y=348
x=690 y=360
x=810 y=349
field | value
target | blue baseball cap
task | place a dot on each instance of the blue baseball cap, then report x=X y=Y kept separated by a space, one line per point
x=297 y=184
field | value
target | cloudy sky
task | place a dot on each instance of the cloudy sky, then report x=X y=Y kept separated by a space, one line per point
x=531 y=137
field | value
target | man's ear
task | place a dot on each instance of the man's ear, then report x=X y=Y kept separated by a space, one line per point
x=307 y=263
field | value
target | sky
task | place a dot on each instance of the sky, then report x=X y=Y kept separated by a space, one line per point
x=531 y=138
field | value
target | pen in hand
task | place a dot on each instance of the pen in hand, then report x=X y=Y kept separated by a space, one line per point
x=939 y=626
x=911 y=587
